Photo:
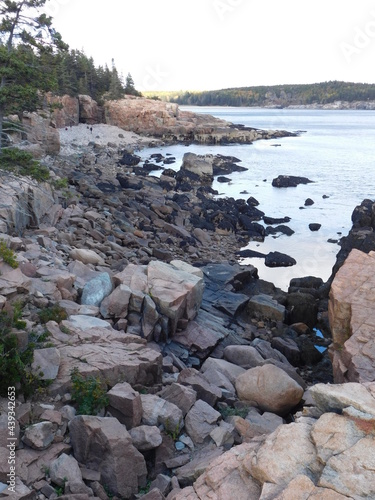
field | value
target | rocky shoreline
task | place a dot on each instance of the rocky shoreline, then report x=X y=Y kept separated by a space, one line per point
x=212 y=377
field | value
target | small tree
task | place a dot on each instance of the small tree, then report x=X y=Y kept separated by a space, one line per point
x=129 y=86
x=26 y=40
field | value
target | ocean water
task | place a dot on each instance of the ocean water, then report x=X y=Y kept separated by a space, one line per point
x=335 y=149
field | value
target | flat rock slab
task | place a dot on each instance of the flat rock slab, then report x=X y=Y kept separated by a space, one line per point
x=132 y=363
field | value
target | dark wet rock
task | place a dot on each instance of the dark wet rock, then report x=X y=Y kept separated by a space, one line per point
x=309 y=202
x=255 y=230
x=252 y=201
x=247 y=253
x=362 y=234
x=224 y=165
x=129 y=160
x=272 y=220
x=314 y=226
x=223 y=179
x=128 y=182
x=302 y=308
x=279 y=229
x=278 y=259
x=289 y=348
x=149 y=167
x=283 y=181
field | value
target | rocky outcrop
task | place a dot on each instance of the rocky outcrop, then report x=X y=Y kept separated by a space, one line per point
x=65 y=110
x=89 y=111
x=25 y=204
x=351 y=315
x=311 y=457
x=167 y=121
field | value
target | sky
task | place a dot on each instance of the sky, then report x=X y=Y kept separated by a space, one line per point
x=214 y=44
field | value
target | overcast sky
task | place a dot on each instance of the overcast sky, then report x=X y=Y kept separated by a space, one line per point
x=213 y=44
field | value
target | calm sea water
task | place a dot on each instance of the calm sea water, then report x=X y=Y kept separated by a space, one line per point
x=336 y=151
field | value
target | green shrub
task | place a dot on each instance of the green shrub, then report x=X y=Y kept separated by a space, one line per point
x=8 y=255
x=89 y=393
x=232 y=412
x=61 y=183
x=53 y=313
x=22 y=163
x=14 y=363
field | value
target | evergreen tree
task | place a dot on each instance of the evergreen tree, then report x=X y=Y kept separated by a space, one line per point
x=26 y=39
x=129 y=86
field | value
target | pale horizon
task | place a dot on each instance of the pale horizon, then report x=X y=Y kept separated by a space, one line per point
x=218 y=44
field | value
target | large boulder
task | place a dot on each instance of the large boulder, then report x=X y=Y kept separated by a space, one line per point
x=177 y=294
x=351 y=316
x=89 y=111
x=104 y=445
x=66 y=113
x=41 y=131
x=196 y=169
x=270 y=388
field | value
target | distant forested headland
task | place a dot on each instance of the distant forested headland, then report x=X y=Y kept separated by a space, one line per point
x=276 y=95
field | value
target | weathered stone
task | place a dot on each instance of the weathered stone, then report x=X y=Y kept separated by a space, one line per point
x=116 y=304
x=111 y=361
x=244 y=356
x=83 y=322
x=177 y=294
x=333 y=434
x=351 y=473
x=225 y=477
x=157 y=411
x=270 y=387
x=336 y=397
x=86 y=256
x=183 y=397
x=230 y=370
x=200 y=421
x=65 y=468
x=46 y=363
x=146 y=437
x=39 y=436
x=207 y=392
x=265 y=307
x=286 y=452
x=125 y=404
x=96 y=290
x=352 y=319
x=188 y=473
x=122 y=467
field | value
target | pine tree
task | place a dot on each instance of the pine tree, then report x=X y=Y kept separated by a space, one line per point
x=26 y=40
x=129 y=86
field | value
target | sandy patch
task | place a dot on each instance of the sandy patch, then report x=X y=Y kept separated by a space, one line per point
x=79 y=136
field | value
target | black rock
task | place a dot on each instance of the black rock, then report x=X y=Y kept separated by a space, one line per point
x=129 y=159
x=278 y=259
x=247 y=253
x=309 y=202
x=221 y=178
x=279 y=229
x=252 y=202
x=272 y=220
x=289 y=181
x=314 y=226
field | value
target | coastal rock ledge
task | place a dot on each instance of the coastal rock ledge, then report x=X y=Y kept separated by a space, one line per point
x=168 y=122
